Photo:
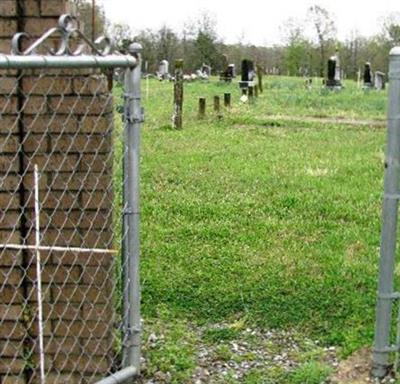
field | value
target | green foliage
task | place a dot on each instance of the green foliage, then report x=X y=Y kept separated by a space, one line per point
x=310 y=373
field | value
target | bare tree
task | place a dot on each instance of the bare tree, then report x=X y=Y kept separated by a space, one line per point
x=325 y=30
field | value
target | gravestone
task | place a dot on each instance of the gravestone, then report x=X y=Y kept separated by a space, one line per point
x=163 y=70
x=367 y=79
x=334 y=78
x=248 y=75
x=206 y=70
x=379 y=80
x=228 y=72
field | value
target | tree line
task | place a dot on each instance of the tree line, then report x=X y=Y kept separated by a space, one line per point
x=297 y=55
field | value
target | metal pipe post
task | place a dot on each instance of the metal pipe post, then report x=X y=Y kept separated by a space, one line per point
x=382 y=344
x=131 y=221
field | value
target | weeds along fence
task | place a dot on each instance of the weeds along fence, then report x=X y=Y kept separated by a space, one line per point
x=69 y=217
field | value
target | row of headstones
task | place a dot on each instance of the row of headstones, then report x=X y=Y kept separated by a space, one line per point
x=163 y=72
x=334 y=80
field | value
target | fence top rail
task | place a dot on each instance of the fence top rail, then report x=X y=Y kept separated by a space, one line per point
x=83 y=61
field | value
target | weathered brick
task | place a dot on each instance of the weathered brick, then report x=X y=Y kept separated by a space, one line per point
x=100 y=239
x=54 y=345
x=57 y=274
x=11 y=365
x=10 y=258
x=10 y=236
x=82 y=143
x=10 y=182
x=55 y=200
x=97 y=312
x=53 y=7
x=31 y=296
x=10 y=219
x=10 y=276
x=8 y=124
x=34 y=105
x=50 y=124
x=47 y=85
x=82 y=363
x=79 y=293
x=10 y=349
x=93 y=85
x=8 y=27
x=83 y=105
x=12 y=330
x=11 y=294
x=95 y=163
x=13 y=379
x=97 y=276
x=98 y=347
x=83 y=259
x=9 y=144
x=36 y=143
x=87 y=181
x=97 y=124
x=10 y=312
x=81 y=329
x=58 y=163
x=5 y=47
x=97 y=200
x=8 y=85
x=35 y=27
x=59 y=378
x=8 y=105
x=31 y=7
x=8 y=8
x=8 y=163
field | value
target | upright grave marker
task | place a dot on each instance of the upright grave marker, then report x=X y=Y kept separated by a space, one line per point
x=367 y=78
x=178 y=95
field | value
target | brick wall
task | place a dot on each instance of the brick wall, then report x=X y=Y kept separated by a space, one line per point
x=61 y=121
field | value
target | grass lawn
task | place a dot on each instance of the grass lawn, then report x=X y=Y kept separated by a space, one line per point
x=251 y=222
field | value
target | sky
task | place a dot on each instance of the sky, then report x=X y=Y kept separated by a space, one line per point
x=257 y=22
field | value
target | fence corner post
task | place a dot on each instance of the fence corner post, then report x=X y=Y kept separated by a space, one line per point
x=178 y=95
x=131 y=214
x=382 y=342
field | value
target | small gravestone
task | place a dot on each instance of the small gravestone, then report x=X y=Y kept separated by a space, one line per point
x=367 y=78
x=163 y=70
x=334 y=78
x=228 y=72
x=379 y=80
x=248 y=75
x=206 y=70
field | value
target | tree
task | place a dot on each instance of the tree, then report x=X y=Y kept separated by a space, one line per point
x=325 y=32
x=297 y=47
x=85 y=12
x=122 y=35
x=391 y=28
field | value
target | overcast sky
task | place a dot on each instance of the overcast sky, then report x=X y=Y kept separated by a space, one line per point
x=257 y=22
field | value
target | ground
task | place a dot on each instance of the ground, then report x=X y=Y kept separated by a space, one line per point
x=260 y=232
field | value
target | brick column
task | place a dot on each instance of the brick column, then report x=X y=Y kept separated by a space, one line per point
x=61 y=120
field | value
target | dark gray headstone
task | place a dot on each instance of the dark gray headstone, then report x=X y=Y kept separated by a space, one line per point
x=367 y=75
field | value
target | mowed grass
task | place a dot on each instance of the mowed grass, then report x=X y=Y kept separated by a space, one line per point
x=248 y=218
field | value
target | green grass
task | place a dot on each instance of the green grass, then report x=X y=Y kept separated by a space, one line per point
x=249 y=218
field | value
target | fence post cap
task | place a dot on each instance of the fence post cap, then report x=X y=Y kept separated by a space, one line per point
x=395 y=51
x=135 y=48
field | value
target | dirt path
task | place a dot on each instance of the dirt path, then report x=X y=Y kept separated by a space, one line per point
x=330 y=120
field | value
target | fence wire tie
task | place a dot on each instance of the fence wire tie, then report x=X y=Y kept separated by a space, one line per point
x=391 y=196
x=391 y=348
x=389 y=296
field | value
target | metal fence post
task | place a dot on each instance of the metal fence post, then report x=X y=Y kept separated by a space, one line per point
x=382 y=343
x=131 y=221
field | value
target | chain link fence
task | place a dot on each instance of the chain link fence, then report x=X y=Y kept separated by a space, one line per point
x=69 y=309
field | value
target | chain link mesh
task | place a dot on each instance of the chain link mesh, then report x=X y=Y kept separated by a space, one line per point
x=62 y=121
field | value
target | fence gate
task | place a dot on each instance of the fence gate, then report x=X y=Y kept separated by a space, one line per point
x=69 y=245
